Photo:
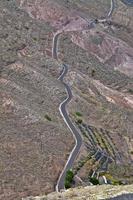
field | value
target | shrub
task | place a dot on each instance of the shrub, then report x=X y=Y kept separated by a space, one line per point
x=130 y=91
x=48 y=118
x=93 y=72
x=78 y=114
x=79 y=121
x=131 y=152
x=34 y=38
x=94 y=181
x=68 y=179
x=67 y=184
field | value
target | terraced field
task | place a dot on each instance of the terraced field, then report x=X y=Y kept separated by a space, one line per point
x=110 y=120
x=101 y=152
x=99 y=149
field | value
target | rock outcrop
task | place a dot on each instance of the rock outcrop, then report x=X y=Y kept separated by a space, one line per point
x=89 y=193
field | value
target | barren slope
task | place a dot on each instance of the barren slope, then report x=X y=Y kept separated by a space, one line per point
x=34 y=138
x=100 y=74
x=89 y=193
x=34 y=141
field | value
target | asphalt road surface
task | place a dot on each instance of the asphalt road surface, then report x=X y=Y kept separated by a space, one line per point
x=73 y=129
x=128 y=2
x=123 y=197
x=64 y=114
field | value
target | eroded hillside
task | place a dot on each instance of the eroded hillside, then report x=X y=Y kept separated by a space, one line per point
x=90 y=193
x=100 y=73
x=34 y=138
x=32 y=132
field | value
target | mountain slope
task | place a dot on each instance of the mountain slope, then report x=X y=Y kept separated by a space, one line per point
x=88 y=193
x=35 y=142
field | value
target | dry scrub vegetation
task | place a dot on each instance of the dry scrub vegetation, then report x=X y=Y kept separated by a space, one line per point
x=34 y=141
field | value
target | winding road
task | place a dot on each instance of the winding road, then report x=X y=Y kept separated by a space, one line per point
x=73 y=129
x=63 y=111
x=65 y=116
x=112 y=7
x=109 y=14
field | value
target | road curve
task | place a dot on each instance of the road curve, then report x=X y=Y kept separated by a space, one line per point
x=112 y=7
x=65 y=116
x=55 y=46
x=109 y=14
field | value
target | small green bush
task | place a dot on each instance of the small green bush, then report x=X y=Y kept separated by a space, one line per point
x=93 y=72
x=34 y=38
x=94 y=181
x=48 y=118
x=68 y=179
x=130 y=91
x=67 y=184
x=78 y=114
x=79 y=121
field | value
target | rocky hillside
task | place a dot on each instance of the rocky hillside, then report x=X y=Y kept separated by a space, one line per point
x=32 y=132
x=34 y=140
x=100 y=74
x=91 y=193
